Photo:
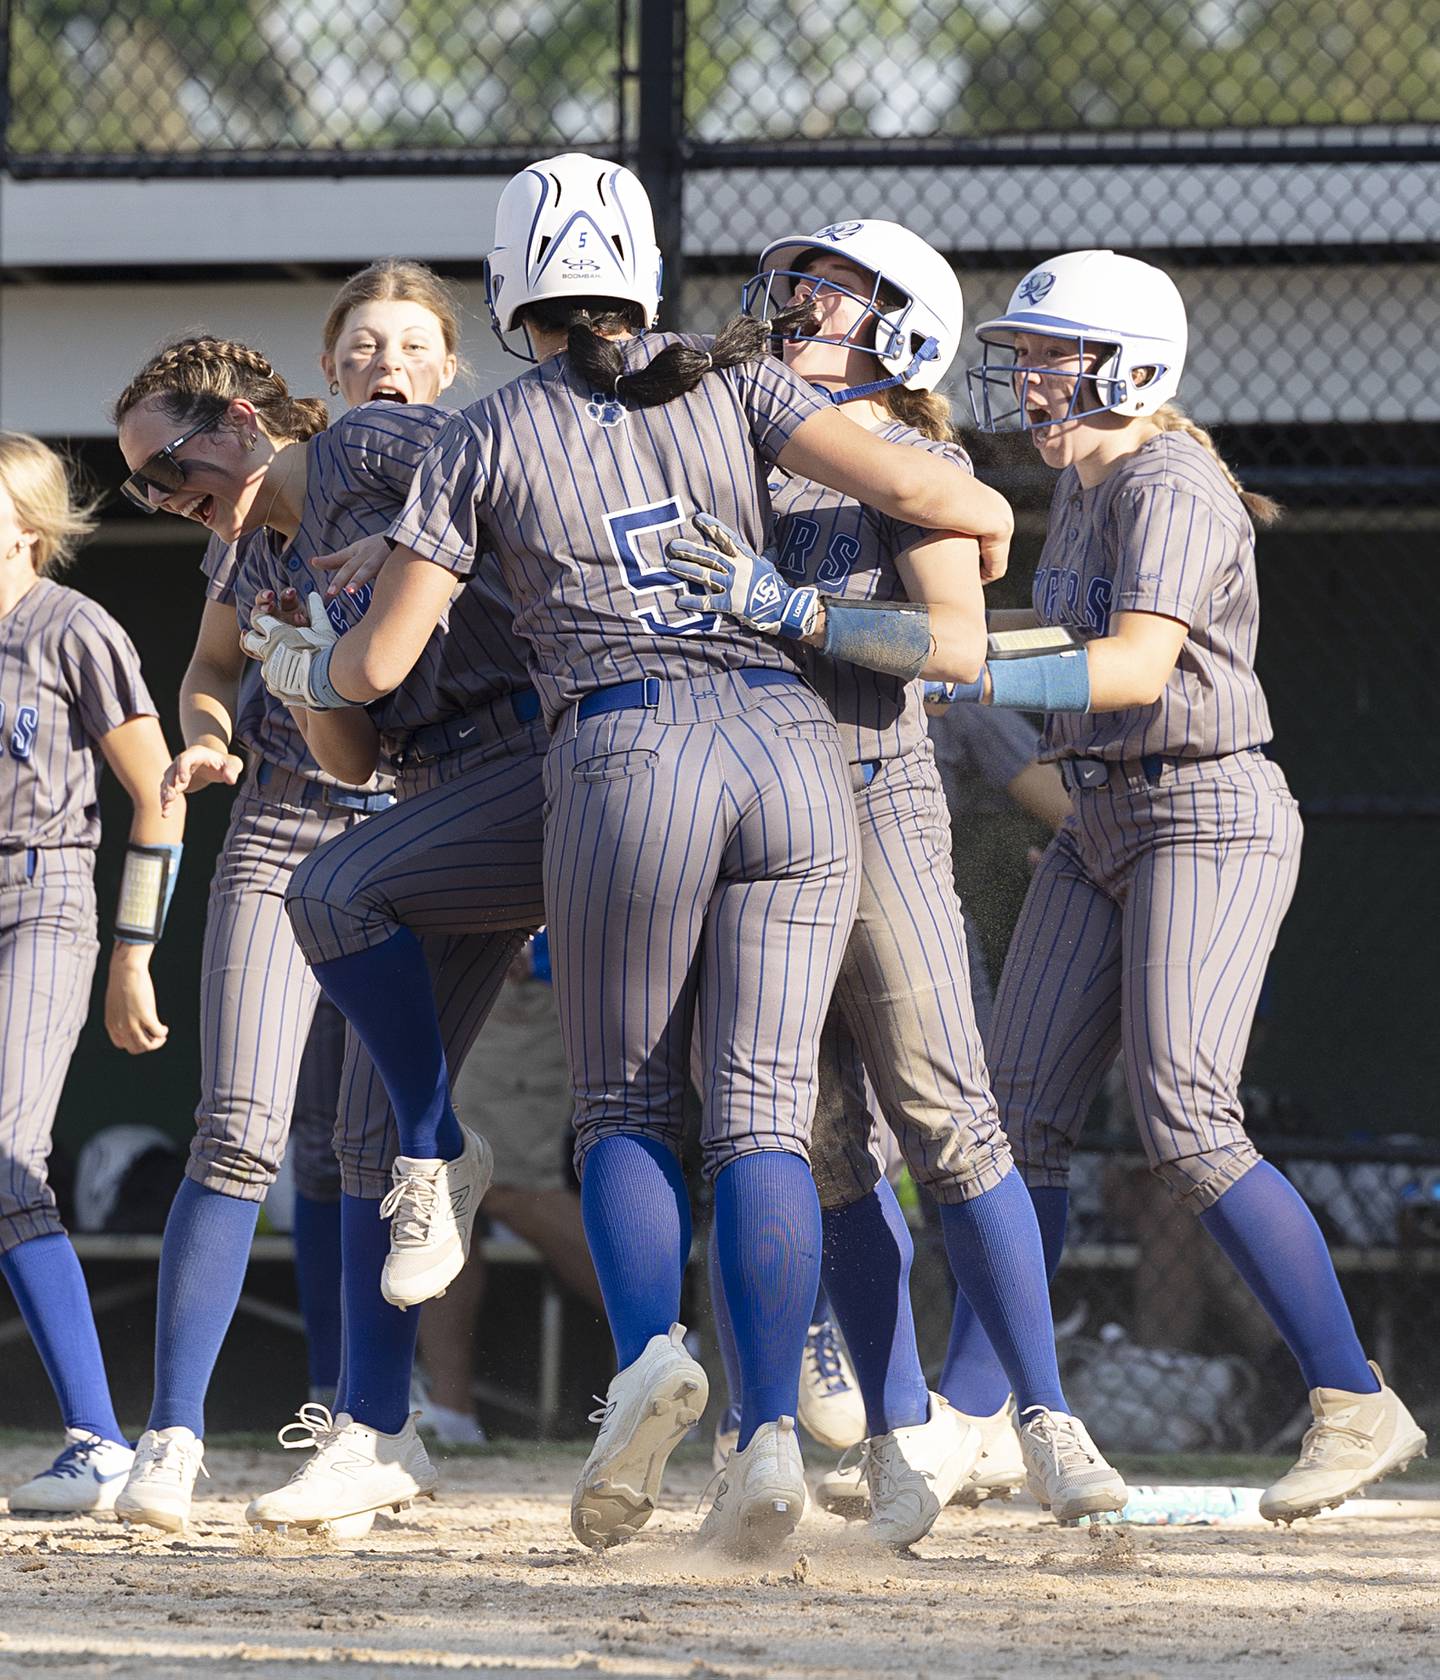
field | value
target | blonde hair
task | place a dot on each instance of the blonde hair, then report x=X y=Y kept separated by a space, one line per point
x=394 y=280
x=37 y=481
x=1170 y=417
x=198 y=378
x=926 y=412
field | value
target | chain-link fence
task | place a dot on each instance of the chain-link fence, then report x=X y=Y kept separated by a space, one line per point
x=1282 y=159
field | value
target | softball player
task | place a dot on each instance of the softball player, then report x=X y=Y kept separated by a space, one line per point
x=1150 y=920
x=700 y=835
x=71 y=695
x=884 y=316
x=451 y=872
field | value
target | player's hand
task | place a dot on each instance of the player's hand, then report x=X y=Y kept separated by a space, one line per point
x=195 y=768
x=728 y=576
x=287 y=651
x=354 y=566
x=131 y=1018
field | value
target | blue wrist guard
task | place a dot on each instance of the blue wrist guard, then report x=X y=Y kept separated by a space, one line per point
x=146 y=888
x=889 y=636
x=1051 y=682
x=325 y=697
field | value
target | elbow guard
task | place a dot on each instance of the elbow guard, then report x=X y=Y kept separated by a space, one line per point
x=889 y=636
x=146 y=888
x=1050 y=682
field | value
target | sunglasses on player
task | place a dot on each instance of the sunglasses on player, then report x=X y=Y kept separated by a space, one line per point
x=162 y=471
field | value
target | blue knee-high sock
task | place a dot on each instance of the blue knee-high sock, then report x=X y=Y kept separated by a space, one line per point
x=49 y=1288
x=202 y=1269
x=1271 y=1238
x=1003 y=1246
x=767 y=1231
x=866 y=1260
x=823 y=1312
x=636 y=1212
x=386 y=994
x=379 y=1339
x=724 y=1335
x=317 y=1283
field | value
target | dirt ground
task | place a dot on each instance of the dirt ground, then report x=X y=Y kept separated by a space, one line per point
x=489 y=1579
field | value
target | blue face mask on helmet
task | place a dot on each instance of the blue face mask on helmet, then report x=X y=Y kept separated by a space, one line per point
x=998 y=406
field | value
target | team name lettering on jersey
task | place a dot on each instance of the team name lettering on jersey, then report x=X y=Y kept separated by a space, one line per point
x=1068 y=600
x=22 y=739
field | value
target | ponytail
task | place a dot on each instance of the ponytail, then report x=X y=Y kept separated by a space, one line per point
x=677 y=369
x=1170 y=417
x=926 y=412
x=198 y=378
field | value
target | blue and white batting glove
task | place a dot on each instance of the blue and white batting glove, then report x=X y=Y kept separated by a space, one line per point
x=729 y=577
x=295 y=659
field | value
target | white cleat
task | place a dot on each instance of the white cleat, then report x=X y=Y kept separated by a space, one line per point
x=355 y=1472
x=761 y=1496
x=431 y=1206
x=646 y=1413
x=1065 y=1470
x=85 y=1479
x=725 y=1442
x=162 y=1479
x=1000 y=1472
x=845 y=1491
x=1355 y=1440
x=913 y=1473
x=830 y=1408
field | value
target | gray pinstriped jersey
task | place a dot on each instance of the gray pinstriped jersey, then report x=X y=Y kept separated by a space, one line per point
x=68 y=676
x=578 y=496
x=263 y=724
x=358 y=472
x=847 y=550
x=1164 y=533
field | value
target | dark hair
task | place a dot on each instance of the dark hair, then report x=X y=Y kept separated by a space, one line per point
x=677 y=369
x=198 y=378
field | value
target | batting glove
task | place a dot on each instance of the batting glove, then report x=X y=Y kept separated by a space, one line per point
x=295 y=659
x=729 y=577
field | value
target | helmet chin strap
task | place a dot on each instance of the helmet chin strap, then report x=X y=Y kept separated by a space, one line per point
x=927 y=352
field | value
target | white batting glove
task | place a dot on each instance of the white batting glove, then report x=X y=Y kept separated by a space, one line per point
x=295 y=659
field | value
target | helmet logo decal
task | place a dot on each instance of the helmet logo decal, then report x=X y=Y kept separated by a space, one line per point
x=839 y=230
x=581 y=267
x=1035 y=286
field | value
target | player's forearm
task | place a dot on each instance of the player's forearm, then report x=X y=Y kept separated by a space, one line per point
x=375 y=657
x=956 y=640
x=345 y=743
x=208 y=698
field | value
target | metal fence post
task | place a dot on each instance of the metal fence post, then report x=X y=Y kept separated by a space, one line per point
x=659 y=159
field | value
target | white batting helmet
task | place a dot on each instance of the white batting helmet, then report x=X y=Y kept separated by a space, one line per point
x=916 y=340
x=570 y=226
x=1131 y=311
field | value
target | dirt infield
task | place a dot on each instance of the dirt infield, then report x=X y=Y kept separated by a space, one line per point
x=488 y=1579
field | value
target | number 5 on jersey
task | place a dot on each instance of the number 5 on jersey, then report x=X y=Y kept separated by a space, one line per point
x=627 y=529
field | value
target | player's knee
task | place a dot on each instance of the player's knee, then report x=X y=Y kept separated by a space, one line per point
x=1197 y=1182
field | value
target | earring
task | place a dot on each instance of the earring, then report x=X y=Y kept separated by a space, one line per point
x=334 y=387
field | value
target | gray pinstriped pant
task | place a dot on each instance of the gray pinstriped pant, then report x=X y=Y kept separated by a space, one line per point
x=48 y=949
x=1147 y=930
x=700 y=866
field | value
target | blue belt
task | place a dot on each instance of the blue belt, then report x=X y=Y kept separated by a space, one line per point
x=645 y=691
x=436 y=740
x=351 y=799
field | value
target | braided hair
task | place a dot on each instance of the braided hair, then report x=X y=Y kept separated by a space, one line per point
x=197 y=379
x=677 y=369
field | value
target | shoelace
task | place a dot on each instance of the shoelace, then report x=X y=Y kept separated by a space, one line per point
x=1056 y=1433
x=720 y=1490
x=601 y=1414
x=313 y=1427
x=169 y=1456
x=75 y=1460
x=824 y=1351
x=1326 y=1434
x=411 y=1204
